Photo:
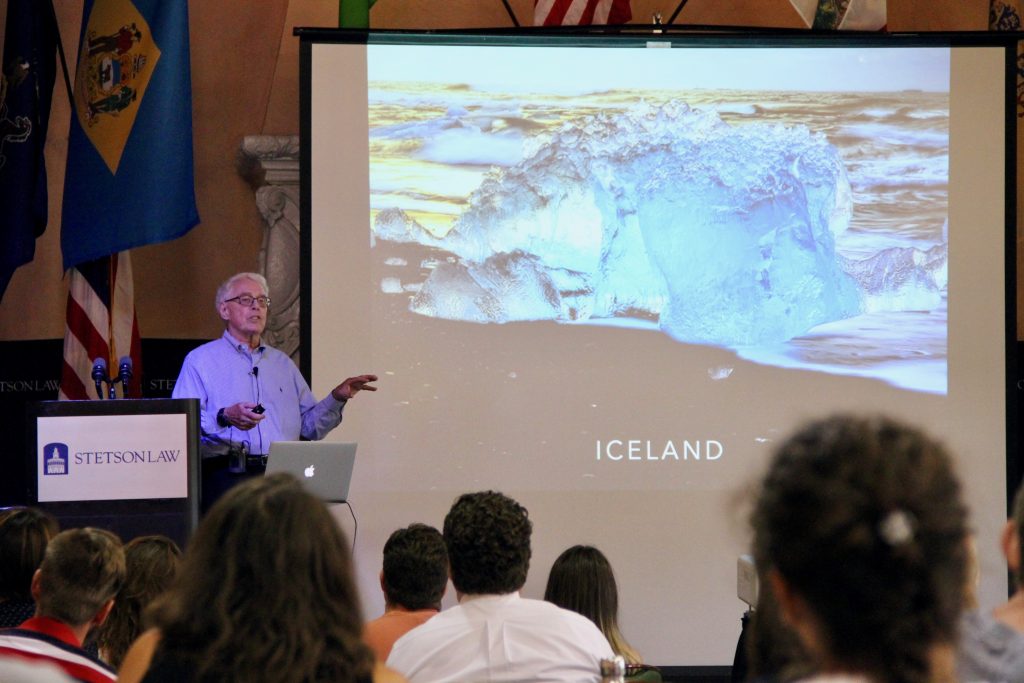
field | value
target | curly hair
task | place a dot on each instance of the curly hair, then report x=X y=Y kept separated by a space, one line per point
x=863 y=518
x=582 y=580
x=488 y=539
x=152 y=563
x=265 y=592
x=415 y=567
x=24 y=535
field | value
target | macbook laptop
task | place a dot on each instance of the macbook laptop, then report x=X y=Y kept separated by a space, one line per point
x=324 y=467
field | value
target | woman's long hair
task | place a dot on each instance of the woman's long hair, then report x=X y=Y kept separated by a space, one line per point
x=265 y=592
x=152 y=563
x=24 y=535
x=582 y=580
x=862 y=517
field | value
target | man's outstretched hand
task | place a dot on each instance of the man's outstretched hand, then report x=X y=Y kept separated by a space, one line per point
x=352 y=386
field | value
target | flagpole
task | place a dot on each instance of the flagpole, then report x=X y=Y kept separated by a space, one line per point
x=511 y=14
x=111 y=279
x=60 y=51
x=679 y=8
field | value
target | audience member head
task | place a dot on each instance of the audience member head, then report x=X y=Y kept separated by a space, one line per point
x=860 y=528
x=415 y=571
x=488 y=539
x=82 y=571
x=265 y=591
x=1013 y=538
x=24 y=535
x=152 y=563
x=774 y=651
x=582 y=580
x=972 y=575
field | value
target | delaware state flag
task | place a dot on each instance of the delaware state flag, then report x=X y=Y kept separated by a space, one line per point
x=129 y=176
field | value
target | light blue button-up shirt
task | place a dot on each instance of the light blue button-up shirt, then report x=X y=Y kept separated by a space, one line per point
x=221 y=373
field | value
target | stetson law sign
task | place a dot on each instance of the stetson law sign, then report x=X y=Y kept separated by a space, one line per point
x=112 y=457
x=130 y=466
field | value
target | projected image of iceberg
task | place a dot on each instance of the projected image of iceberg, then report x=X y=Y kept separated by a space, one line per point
x=801 y=230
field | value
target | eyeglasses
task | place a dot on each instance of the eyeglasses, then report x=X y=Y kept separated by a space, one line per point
x=247 y=299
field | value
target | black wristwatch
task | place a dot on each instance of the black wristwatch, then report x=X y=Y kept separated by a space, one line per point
x=221 y=420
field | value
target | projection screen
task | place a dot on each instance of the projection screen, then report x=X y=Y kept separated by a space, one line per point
x=607 y=275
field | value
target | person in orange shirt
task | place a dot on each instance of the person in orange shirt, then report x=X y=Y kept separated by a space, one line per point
x=414 y=579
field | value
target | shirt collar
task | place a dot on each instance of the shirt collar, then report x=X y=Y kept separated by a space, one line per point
x=239 y=346
x=53 y=628
x=398 y=609
x=488 y=597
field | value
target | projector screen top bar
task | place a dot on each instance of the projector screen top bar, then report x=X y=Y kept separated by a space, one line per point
x=697 y=35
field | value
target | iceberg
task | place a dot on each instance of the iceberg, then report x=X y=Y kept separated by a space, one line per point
x=723 y=234
x=503 y=288
x=395 y=225
x=741 y=223
x=901 y=278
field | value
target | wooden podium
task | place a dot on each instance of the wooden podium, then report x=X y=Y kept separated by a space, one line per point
x=130 y=466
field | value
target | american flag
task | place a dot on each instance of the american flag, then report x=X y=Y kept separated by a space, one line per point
x=101 y=323
x=580 y=12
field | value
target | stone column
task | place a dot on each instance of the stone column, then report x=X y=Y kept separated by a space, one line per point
x=271 y=165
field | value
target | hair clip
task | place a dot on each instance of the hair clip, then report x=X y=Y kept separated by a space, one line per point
x=897 y=527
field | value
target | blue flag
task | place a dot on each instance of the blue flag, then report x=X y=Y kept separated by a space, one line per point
x=29 y=68
x=129 y=176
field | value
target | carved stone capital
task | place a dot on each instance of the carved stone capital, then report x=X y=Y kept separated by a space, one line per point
x=269 y=160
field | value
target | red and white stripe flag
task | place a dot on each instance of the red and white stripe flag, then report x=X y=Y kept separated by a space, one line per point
x=101 y=323
x=580 y=12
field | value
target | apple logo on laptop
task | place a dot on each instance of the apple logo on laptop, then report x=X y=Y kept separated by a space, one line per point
x=310 y=471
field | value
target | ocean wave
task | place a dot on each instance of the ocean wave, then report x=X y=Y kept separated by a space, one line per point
x=891 y=135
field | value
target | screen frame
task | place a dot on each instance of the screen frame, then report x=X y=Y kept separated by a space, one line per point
x=634 y=36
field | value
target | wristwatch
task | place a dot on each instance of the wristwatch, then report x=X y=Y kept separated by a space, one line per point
x=221 y=420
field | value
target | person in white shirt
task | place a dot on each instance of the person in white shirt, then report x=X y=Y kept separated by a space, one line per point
x=493 y=634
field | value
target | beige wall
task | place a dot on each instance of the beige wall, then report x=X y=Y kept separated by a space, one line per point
x=245 y=81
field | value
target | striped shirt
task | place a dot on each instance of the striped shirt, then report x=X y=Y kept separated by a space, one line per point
x=45 y=639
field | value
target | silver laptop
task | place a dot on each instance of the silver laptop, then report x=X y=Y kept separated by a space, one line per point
x=324 y=467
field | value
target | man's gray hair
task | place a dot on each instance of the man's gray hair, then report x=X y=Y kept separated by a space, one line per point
x=222 y=291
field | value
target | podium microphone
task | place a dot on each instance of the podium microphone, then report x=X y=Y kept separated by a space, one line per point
x=124 y=371
x=99 y=375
